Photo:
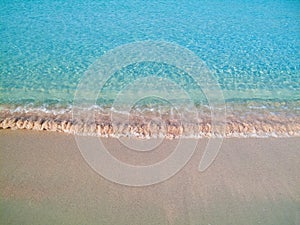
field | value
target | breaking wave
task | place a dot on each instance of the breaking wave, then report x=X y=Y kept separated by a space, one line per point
x=256 y=121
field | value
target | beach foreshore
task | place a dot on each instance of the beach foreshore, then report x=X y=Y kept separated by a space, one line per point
x=45 y=180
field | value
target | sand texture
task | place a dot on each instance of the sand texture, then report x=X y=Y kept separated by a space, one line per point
x=45 y=180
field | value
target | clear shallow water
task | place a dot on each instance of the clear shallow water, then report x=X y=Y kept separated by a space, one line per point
x=253 y=48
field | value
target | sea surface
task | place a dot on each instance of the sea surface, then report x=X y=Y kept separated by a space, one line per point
x=251 y=48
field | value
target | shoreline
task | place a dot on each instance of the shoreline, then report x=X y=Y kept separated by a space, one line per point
x=45 y=180
x=269 y=126
x=249 y=119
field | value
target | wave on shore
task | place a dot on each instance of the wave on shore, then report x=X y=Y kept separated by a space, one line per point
x=153 y=125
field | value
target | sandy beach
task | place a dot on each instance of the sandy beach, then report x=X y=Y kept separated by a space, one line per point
x=45 y=180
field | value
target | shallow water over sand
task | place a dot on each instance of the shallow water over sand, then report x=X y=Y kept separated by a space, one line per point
x=251 y=48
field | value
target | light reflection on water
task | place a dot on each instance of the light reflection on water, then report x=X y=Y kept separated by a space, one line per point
x=252 y=48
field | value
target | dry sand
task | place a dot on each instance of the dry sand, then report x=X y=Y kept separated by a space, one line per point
x=45 y=180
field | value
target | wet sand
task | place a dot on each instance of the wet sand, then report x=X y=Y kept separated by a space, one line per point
x=45 y=180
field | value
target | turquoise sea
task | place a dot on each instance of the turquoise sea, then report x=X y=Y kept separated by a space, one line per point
x=251 y=47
